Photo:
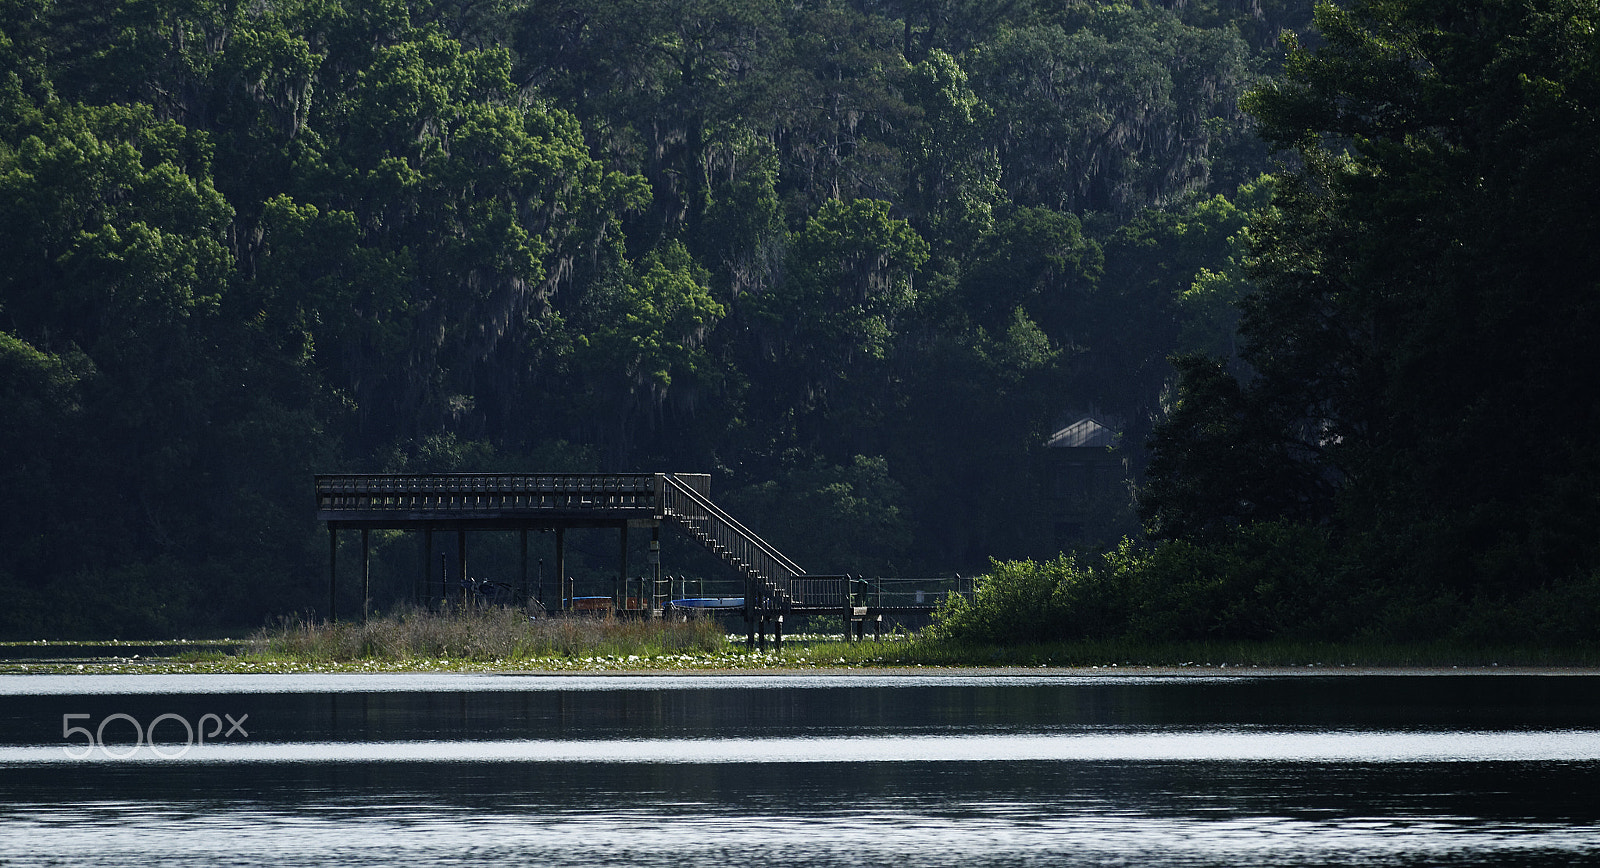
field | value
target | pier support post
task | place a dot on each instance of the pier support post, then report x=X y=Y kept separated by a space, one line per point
x=333 y=574
x=621 y=589
x=655 y=569
x=461 y=564
x=749 y=613
x=366 y=574
x=563 y=599
x=421 y=596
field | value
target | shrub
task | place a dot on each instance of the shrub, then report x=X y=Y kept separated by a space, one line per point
x=1026 y=601
x=1267 y=580
x=1261 y=581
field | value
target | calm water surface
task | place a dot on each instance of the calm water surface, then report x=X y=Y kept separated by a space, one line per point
x=1400 y=770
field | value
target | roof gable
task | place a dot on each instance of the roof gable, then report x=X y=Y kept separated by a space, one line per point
x=1086 y=432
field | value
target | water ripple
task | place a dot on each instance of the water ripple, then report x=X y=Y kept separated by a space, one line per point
x=969 y=835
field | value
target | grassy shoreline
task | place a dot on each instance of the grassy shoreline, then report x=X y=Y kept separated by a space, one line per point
x=509 y=641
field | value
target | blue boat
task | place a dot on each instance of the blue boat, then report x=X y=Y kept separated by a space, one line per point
x=710 y=603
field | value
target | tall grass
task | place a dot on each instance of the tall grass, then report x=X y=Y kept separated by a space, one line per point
x=483 y=634
x=506 y=635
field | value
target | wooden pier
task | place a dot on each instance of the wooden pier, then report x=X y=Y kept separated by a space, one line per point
x=457 y=503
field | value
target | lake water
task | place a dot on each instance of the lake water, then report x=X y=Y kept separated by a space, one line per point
x=1357 y=770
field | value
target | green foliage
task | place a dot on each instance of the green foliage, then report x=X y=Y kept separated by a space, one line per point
x=850 y=280
x=1028 y=602
x=953 y=184
x=1039 y=261
x=1263 y=581
x=1209 y=308
x=112 y=223
x=647 y=335
x=1222 y=460
x=41 y=429
x=249 y=242
x=1267 y=580
x=1424 y=280
x=825 y=334
x=1113 y=109
x=832 y=519
x=1152 y=263
x=654 y=326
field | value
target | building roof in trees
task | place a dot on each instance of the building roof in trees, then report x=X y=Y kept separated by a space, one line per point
x=1087 y=431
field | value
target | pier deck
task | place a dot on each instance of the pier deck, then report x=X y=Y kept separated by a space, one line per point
x=457 y=503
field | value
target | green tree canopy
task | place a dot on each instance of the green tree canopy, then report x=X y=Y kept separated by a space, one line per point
x=1427 y=289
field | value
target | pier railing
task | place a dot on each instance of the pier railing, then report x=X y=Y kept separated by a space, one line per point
x=347 y=494
x=814 y=592
x=900 y=593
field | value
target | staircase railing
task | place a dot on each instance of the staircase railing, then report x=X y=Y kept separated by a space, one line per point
x=768 y=568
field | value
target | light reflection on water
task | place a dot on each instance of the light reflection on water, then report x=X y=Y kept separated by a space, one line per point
x=1347 y=771
x=423 y=682
x=1147 y=746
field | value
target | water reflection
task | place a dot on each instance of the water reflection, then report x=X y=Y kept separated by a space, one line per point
x=821 y=772
x=1107 y=745
x=490 y=708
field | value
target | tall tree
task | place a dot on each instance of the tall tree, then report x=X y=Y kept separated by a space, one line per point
x=1427 y=284
x=1114 y=110
x=826 y=333
x=642 y=341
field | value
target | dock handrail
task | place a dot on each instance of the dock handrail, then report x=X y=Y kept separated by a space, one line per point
x=345 y=493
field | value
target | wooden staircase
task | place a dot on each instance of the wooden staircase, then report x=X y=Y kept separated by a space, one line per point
x=769 y=575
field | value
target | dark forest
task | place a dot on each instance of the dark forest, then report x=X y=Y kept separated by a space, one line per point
x=1327 y=278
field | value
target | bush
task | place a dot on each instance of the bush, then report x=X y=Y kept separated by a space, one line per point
x=1263 y=581
x=1266 y=581
x=1025 y=601
x=1269 y=580
x=1561 y=614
